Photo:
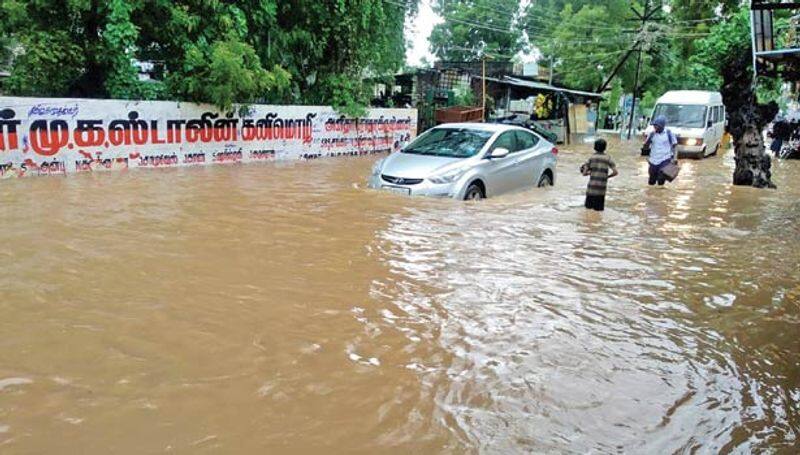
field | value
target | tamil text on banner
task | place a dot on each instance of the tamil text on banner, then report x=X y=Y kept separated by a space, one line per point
x=58 y=136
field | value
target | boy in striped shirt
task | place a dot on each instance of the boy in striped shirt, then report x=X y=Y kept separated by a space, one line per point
x=597 y=169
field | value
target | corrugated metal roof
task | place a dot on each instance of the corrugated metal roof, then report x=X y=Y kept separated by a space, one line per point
x=539 y=85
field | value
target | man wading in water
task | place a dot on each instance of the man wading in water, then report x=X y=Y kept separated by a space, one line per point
x=597 y=169
x=662 y=150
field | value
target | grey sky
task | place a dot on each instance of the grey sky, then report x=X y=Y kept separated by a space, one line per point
x=418 y=30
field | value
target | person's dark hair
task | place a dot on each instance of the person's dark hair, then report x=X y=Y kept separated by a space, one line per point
x=600 y=145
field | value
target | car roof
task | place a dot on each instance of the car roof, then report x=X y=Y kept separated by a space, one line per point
x=491 y=127
x=690 y=97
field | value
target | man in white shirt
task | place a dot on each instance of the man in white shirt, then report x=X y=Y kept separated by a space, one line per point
x=662 y=150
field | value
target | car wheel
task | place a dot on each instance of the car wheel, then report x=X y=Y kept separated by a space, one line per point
x=545 y=180
x=474 y=193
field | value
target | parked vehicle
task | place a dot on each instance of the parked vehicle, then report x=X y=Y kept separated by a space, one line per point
x=696 y=118
x=468 y=161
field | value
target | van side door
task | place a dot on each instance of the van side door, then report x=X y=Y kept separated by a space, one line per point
x=718 y=129
x=709 y=135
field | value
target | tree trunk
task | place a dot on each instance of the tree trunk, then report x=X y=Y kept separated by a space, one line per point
x=746 y=121
x=752 y=162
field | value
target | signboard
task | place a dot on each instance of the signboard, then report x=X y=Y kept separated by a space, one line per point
x=58 y=136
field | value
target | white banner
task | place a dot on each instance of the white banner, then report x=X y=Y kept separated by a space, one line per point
x=43 y=136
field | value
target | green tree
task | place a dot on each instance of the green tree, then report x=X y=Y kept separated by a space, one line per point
x=473 y=28
x=6 y=52
x=728 y=38
x=330 y=46
x=576 y=35
x=217 y=51
x=118 y=39
x=581 y=52
x=50 y=66
x=614 y=97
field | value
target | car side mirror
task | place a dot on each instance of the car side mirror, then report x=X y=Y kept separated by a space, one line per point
x=709 y=124
x=499 y=152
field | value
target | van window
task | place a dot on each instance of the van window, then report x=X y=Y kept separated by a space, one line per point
x=717 y=114
x=682 y=115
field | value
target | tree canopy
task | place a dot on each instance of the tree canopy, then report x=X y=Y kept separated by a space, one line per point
x=320 y=51
x=585 y=41
x=216 y=51
x=474 y=28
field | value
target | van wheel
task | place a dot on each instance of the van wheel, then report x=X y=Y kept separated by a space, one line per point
x=716 y=149
x=545 y=180
x=474 y=193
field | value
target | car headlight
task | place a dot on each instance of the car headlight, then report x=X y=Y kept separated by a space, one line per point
x=446 y=177
x=693 y=141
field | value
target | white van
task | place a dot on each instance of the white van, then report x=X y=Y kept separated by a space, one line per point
x=696 y=118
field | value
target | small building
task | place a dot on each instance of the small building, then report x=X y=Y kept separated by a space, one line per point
x=769 y=58
x=561 y=110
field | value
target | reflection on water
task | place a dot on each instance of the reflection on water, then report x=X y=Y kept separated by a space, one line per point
x=252 y=308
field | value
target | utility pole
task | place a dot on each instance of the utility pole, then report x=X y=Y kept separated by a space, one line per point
x=644 y=17
x=635 y=89
x=483 y=80
x=616 y=69
x=552 y=63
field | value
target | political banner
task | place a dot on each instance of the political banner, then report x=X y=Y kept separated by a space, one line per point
x=61 y=136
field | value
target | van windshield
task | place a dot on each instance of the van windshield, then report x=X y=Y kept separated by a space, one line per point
x=682 y=115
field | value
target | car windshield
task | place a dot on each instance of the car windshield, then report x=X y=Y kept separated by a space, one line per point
x=449 y=142
x=682 y=115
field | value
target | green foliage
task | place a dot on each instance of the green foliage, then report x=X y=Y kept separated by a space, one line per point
x=218 y=51
x=347 y=94
x=581 y=51
x=614 y=97
x=119 y=38
x=48 y=66
x=474 y=28
x=465 y=97
x=728 y=38
x=686 y=49
x=6 y=51
x=648 y=101
x=224 y=73
x=585 y=39
x=229 y=52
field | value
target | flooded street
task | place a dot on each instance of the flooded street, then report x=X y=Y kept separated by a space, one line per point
x=285 y=308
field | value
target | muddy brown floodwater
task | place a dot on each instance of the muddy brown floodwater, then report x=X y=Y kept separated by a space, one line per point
x=284 y=308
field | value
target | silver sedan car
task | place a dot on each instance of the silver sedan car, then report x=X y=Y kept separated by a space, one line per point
x=468 y=161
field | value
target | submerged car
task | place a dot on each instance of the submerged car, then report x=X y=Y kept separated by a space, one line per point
x=468 y=161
